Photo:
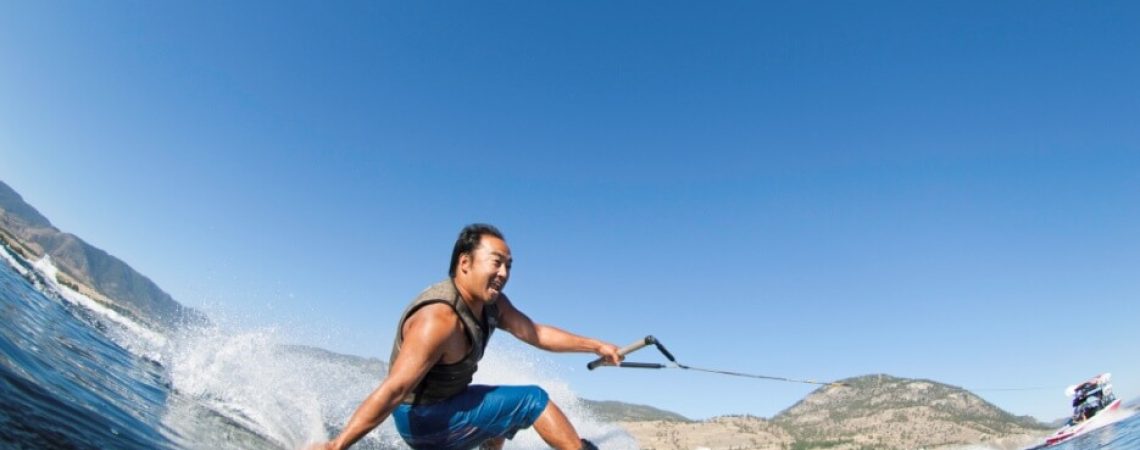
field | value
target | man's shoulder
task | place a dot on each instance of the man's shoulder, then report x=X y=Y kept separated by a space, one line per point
x=503 y=303
x=443 y=290
x=438 y=314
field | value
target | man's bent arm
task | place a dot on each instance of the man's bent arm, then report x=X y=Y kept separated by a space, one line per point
x=370 y=414
x=424 y=335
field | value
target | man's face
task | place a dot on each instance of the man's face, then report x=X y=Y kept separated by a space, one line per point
x=487 y=269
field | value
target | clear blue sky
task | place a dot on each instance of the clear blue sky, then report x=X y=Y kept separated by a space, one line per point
x=942 y=190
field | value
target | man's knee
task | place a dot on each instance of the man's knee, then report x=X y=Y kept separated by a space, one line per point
x=535 y=401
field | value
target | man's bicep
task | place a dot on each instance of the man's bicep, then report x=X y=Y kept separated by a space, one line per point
x=424 y=337
x=515 y=322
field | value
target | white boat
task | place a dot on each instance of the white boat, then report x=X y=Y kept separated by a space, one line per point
x=1094 y=406
x=1104 y=417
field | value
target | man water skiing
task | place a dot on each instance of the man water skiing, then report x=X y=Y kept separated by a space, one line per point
x=439 y=341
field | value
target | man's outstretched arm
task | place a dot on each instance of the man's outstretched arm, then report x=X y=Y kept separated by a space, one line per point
x=551 y=338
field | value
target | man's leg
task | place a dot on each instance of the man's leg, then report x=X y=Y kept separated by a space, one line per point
x=556 y=430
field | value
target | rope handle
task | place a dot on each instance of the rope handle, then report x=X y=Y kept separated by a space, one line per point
x=640 y=344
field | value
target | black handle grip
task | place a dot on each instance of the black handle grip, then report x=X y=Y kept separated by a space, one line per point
x=637 y=365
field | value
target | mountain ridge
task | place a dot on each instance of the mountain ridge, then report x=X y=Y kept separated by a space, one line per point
x=883 y=411
x=614 y=410
x=88 y=269
x=876 y=411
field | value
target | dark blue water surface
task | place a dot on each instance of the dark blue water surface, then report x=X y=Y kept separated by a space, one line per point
x=64 y=383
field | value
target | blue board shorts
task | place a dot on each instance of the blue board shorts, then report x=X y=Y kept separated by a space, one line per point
x=471 y=417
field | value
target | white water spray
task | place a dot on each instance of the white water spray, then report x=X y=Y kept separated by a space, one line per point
x=286 y=395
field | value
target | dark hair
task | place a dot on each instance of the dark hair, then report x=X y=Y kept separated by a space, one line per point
x=468 y=239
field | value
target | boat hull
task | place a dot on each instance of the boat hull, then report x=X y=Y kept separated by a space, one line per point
x=1100 y=419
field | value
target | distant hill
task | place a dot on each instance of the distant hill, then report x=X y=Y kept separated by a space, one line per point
x=869 y=412
x=618 y=411
x=369 y=365
x=88 y=269
x=881 y=411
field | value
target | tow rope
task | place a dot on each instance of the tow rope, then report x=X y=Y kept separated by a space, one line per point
x=673 y=364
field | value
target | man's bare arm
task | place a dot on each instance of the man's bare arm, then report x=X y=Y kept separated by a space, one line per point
x=551 y=338
x=424 y=335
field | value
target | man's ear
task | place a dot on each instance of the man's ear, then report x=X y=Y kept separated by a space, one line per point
x=464 y=261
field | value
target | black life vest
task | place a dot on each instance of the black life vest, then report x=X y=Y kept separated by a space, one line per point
x=445 y=380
